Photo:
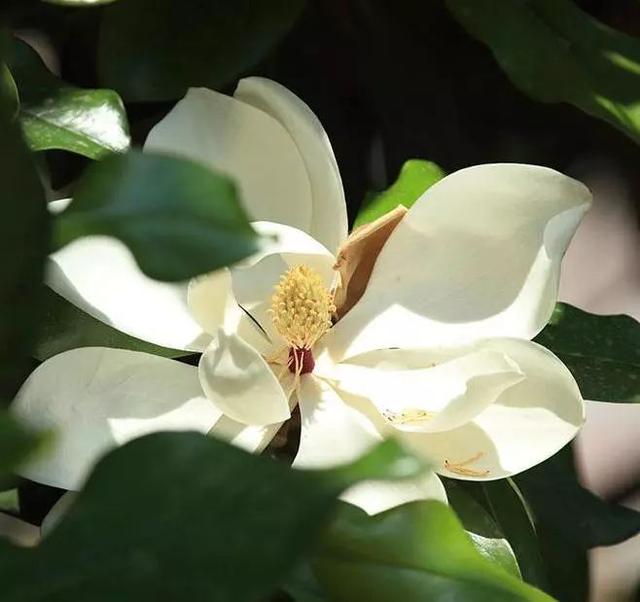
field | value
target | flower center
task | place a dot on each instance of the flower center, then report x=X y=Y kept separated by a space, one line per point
x=301 y=310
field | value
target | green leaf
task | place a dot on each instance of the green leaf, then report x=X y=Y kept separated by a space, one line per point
x=554 y=52
x=489 y=540
x=65 y=326
x=510 y=512
x=24 y=241
x=553 y=492
x=415 y=176
x=55 y=115
x=418 y=551
x=569 y=521
x=602 y=352
x=177 y=217
x=153 y=50
x=9 y=101
x=182 y=516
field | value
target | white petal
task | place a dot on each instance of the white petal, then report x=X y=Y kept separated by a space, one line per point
x=254 y=280
x=329 y=211
x=18 y=532
x=377 y=496
x=477 y=256
x=332 y=432
x=233 y=137
x=239 y=382
x=250 y=438
x=527 y=424
x=95 y=399
x=57 y=512
x=99 y=275
x=426 y=391
x=210 y=299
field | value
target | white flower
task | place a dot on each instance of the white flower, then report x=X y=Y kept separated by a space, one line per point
x=436 y=351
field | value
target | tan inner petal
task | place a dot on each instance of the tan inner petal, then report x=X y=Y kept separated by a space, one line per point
x=357 y=256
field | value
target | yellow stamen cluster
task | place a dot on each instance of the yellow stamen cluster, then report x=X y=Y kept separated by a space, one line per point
x=301 y=307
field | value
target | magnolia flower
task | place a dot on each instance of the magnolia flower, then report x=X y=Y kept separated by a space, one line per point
x=417 y=326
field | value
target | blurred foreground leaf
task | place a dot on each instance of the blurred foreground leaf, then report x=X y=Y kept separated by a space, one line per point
x=156 y=49
x=177 y=217
x=16 y=444
x=555 y=52
x=24 y=240
x=415 y=176
x=602 y=352
x=418 y=551
x=65 y=326
x=55 y=115
x=181 y=516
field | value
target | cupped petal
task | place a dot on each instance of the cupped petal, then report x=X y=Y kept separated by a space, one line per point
x=254 y=279
x=426 y=390
x=99 y=275
x=332 y=432
x=94 y=399
x=210 y=299
x=477 y=256
x=18 y=532
x=527 y=423
x=240 y=383
x=377 y=496
x=233 y=137
x=329 y=210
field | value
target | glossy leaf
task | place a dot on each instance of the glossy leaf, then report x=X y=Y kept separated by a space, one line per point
x=55 y=115
x=570 y=520
x=181 y=516
x=177 y=217
x=24 y=240
x=508 y=507
x=554 y=52
x=64 y=326
x=415 y=176
x=602 y=352
x=155 y=50
x=418 y=551
x=489 y=540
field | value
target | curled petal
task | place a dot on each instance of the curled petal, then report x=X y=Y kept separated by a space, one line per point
x=329 y=211
x=477 y=256
x=231 y=136
x=527 y=423
x=426 y=391
x=240 y=384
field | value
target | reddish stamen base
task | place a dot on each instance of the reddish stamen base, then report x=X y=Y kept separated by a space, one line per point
x=301 y=361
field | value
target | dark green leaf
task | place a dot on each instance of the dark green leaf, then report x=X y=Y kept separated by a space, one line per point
x=303 y=586
x=554 y=493
x=24 y=240
x=177 y=217
x=415 y=176
x=156 y=49
x=569 y=520
x=9 y=101
x=555 y=52
x=602 y=352
x=180 y=516
x=418 y=551
x=489 y=540
x=508 y=508
x=54 y=114
x=65 y=326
